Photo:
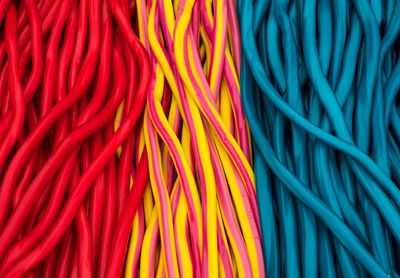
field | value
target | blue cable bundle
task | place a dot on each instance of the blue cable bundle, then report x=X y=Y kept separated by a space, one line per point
x=319 y=83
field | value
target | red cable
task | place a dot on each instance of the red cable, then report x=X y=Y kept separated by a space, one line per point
x=124 y=224
x=49 y=264
x=98 y=190
x=63 y=74
x=109 y=208
x=14 y=84
x=51 y=167
x=126 y=158
x=16 y=165
x=67 y=214
x=63 y=264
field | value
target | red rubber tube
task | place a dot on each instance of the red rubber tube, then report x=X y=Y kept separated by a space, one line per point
x=68 y=140
x=125 y=162
x=14 y=84
x=20 y=158
x=52 y=165
x=98 y=194
x=73 y=203
x=109 y=207
x=124 y=224
x=63 y=264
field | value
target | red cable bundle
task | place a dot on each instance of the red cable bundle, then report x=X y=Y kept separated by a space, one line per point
x=66 y=66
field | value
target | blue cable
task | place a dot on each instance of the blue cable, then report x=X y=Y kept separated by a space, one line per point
x=319 y=82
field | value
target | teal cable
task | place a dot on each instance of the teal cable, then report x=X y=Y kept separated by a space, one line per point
x=323 y=111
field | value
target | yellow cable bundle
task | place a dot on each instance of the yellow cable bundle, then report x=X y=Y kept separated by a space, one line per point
x=199 y=214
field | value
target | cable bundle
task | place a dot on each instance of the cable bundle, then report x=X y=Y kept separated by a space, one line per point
x=200 y=214
x=64 y=198
x=319 y=87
